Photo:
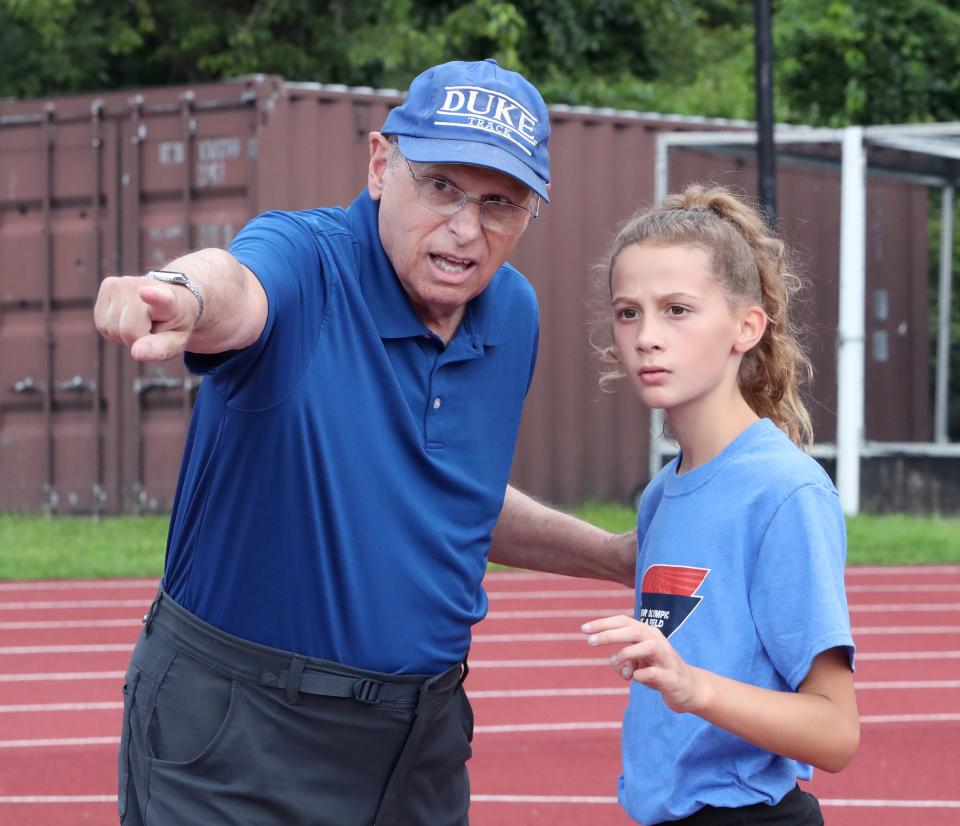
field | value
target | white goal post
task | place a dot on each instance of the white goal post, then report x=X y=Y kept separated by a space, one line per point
x=939 y=141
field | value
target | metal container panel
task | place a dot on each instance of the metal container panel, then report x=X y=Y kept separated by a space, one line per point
x=92 y=186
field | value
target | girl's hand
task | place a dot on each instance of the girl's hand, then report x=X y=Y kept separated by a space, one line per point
x=648 y=659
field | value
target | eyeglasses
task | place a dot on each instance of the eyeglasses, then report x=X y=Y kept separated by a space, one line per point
x=445 y=199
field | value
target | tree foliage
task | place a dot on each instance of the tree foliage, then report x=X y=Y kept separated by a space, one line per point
x=837 y=61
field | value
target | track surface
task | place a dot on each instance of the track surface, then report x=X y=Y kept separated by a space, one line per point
x=548 y=708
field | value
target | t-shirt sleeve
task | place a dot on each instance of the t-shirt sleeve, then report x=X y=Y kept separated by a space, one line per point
x=797 y=594
x=282 y=252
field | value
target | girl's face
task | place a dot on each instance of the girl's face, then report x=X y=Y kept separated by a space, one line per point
x=679 y=340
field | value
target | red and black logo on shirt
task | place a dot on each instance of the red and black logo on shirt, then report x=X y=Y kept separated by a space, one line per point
x=668 y=595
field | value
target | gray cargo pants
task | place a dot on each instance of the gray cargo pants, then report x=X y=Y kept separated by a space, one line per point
x=218 y=731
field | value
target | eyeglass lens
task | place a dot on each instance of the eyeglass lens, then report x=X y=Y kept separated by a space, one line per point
x=446 y=199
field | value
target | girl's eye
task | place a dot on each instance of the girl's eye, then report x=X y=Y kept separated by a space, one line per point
x=677 y=311
x=626 y=314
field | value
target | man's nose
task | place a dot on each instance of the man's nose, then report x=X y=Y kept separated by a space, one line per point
x=465 y=222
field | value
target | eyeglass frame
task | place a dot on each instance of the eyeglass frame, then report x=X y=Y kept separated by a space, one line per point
x=534 y=212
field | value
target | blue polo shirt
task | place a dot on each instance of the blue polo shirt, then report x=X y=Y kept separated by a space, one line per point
x=342 y=476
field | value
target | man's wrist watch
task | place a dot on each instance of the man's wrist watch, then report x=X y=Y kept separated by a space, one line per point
x=171 y=277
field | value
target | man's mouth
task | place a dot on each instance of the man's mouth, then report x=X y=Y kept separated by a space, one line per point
x=451 y=265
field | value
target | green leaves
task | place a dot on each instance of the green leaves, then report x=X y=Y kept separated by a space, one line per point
x=836 y=61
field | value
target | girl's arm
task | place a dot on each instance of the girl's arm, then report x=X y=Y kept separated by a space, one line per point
x=818 y=724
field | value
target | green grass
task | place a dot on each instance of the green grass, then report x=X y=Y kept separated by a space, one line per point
x=871 y=540
x=36 y=547
x=69 y=547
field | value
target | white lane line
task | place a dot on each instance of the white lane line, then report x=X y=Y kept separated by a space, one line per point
x=54 y=605
x=520 y=693
x=541 y=798
x=28 y=707
x=589 y=593
x=73 y=604
x=931 y=587
x=509 y=728
x=491 y=694
x=899 y=684
x=517 y=728
x=78 y=584
x=59 y=798
x=516 y=693
x=906 y=655
x=850 y=803
x=607 y=725
x=944 y=717
x=913 y=630
x=498 y=694
x=34 y=625
x=58 y=742
x=522 y=576
x=92 y=648
x=61 y=676
x=556 y=663
x=891 y=804
x=525 y=663
x=605 y=611
x=529 y=637
x=917 y=570
x=578 y=661
x=906 y=629
x=579 y=613
x=945 y=607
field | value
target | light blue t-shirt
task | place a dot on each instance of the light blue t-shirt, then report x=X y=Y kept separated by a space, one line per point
x=741 y=566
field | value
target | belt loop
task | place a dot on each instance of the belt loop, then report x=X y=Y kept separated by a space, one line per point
x=297 y=665
x=151 y=613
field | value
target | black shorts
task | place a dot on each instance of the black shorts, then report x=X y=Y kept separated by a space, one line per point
x=798 y=808
x=218 y=730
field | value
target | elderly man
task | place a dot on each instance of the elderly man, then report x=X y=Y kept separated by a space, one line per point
x=346 y=465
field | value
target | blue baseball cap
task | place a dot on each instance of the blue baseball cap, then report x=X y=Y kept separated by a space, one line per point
x=476 y=113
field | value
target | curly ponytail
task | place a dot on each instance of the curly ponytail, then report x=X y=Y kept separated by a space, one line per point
x=752 y=268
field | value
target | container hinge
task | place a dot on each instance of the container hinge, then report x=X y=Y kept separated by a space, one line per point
x=76 y=384
x=144 y=383
x=26 y=385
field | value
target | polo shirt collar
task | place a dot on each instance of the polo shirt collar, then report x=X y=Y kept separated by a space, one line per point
x=384 y=294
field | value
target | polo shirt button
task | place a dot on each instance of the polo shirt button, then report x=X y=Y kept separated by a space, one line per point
x=436 y=403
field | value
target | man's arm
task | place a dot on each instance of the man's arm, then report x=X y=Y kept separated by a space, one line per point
x=534 y=536
x=158 y=321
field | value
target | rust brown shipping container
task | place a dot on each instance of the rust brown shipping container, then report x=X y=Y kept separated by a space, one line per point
x=97 y=185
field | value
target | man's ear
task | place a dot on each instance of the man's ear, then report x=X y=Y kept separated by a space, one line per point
x=380 y=151
x=753 y=323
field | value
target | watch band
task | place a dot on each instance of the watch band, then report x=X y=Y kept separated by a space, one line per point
x=179 y=278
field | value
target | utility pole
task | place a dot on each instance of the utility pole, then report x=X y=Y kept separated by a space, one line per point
x=763 y=72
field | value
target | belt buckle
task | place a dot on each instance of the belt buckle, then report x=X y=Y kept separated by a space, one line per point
x=367 y=691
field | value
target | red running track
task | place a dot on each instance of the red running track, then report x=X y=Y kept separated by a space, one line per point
x=548 y=708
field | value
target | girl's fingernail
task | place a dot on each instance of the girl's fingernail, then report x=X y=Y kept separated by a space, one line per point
x=613 y=660
x=625 y=671
x=585 y=627
x=592 y=639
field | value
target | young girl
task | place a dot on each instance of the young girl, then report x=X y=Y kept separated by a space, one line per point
x=740 y=655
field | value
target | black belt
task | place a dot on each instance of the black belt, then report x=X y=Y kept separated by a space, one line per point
x=335 y=685
x=292 y=673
